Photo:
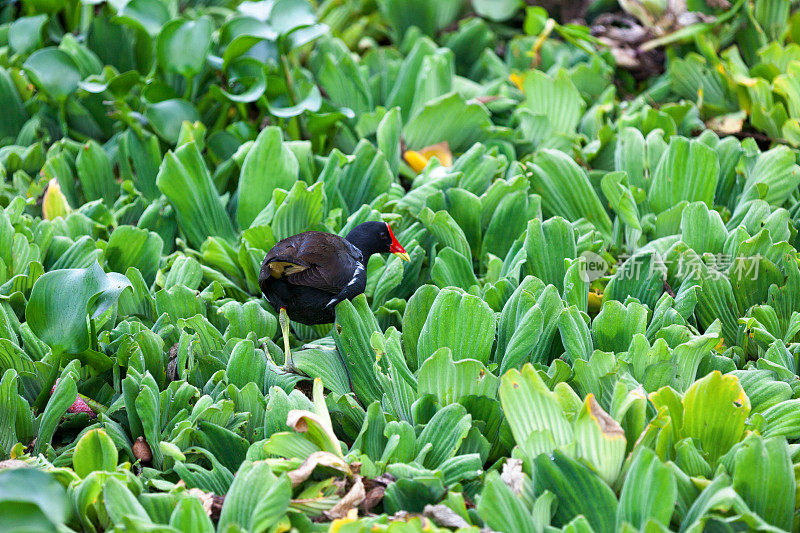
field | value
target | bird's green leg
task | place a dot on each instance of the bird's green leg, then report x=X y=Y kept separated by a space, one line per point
x=283 y=318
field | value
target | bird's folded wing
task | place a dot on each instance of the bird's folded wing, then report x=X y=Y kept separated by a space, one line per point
x=322 y=261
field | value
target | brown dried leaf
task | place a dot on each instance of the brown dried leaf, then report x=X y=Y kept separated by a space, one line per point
x=727 y=124
x=302 y=472
x=443 y=516
x=351 y=500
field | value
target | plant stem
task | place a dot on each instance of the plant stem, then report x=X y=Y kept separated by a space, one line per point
x=287 y=74
x=93 y=335
x=187 y=93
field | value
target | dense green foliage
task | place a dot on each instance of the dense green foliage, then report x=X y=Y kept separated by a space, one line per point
x=598 y=329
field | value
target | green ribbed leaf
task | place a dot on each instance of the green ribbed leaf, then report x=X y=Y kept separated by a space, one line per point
x=354 y=327
x=461 y=322
x=450 y=381
x=688 y=170
x=185 y=181
x=573 y=483
x=566 y=191
x=533 y=412
x=715 y=410
x=648 y=492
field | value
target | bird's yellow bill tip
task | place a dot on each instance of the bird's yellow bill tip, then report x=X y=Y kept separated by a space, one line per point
x=403 y=256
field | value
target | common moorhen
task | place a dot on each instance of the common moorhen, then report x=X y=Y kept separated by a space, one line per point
x=304 y=276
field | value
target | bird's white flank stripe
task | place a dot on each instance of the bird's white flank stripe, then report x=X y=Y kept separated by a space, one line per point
x=359 y=268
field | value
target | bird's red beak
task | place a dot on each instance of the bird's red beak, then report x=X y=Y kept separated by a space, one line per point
x=396 y=248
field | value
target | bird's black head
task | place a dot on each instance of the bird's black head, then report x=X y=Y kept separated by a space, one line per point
x=375 y=238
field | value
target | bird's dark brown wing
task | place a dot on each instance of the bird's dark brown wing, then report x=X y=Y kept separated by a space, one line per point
x=313 y=259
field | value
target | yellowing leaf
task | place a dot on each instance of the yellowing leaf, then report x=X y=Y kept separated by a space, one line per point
x=715 y=410
x=600 y=440
x=54 y=204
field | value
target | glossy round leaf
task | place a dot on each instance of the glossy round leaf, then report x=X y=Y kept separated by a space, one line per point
x=311 y=102
x=246 y=80
x=166 y=117
x=183 y=44
x=54 y=71
x=147 y=15
x=61 y=300
x=25 y=33
x=289 y=15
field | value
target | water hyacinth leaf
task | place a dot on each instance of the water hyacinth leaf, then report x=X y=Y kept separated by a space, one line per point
x=138 y=158
x=147 y=15
x=54 y=71
x=25 y=33
x=186 y=182
x=95 y=174
x=167 y=116
x=269 y=165
x=312 y=101
x=62 y=398
x=61 y=300
x=246 y=80
x=15 y=114
x=182 y=45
